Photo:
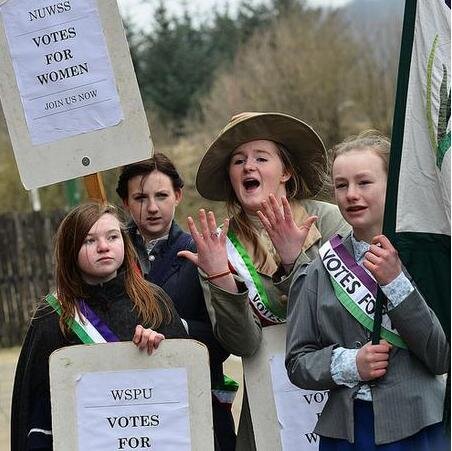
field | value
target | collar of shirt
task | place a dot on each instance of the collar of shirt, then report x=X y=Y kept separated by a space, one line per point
x=359 y=249
x=150 y=244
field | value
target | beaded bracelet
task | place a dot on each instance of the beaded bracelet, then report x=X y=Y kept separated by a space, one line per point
x=220 y=274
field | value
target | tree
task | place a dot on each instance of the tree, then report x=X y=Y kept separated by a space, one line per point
x=301 y=64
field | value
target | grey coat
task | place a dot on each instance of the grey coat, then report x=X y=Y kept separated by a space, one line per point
x=408 y=398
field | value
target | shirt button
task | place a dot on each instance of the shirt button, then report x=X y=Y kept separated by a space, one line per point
x=151 y=258
x=283 y=298
x=357 y=344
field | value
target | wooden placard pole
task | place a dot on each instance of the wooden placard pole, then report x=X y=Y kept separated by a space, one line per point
x=95 y=187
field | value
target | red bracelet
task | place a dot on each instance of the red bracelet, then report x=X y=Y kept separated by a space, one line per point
x=220 y=274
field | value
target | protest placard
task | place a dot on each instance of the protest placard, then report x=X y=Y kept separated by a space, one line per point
x=283 y=415
x=68 y=89
x=114 y=397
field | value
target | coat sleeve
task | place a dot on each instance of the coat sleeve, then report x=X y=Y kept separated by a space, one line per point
x=419 y=327
x=307 y=361
x=31 y=425
x=234 y=323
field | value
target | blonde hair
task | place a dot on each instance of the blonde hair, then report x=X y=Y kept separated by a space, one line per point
x=296 y=188
x=372 y=140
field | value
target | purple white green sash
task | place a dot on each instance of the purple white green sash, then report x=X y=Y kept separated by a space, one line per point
x=355 y=288
x=86 y=325
x=91 y=329
x=258 y=297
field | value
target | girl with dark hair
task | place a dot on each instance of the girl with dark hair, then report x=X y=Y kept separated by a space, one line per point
x=150 y=191
x=96 y=283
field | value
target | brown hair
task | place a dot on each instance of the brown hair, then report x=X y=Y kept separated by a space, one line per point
x=69 y=282
x=159 y=162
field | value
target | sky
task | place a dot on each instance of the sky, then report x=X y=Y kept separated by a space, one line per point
x=140 y=11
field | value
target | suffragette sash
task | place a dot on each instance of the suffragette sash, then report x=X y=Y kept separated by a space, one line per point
x=243 y=266
x=91 y=329
x=86 y=325
x=355 y=288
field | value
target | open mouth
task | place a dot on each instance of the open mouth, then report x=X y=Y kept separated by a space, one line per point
x=250 y=184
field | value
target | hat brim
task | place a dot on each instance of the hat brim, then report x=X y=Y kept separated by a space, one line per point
x=305 y=147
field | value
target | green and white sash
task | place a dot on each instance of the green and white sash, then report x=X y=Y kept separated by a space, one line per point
x=241 y=262
x=91 y=329
x=355 y=288
x=225 y=392
x=88 y=327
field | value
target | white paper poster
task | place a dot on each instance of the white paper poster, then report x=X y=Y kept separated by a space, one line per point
x=62 y=67
x=133 y=409
x=297 y=409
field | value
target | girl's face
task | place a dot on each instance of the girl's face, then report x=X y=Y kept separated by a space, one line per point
x=102 y=251
x=152 y=203
x=359 y=178
x=256 y=171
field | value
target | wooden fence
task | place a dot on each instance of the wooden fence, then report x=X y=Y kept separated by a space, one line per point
x=26 y=269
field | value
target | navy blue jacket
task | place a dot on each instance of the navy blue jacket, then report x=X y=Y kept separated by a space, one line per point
x=181 y=283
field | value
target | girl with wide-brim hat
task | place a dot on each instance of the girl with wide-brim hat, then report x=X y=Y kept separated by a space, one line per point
x=265 y=166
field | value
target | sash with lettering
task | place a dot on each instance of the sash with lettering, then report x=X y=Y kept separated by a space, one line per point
x=86 y=325
x=355 y=288
x=258 y=297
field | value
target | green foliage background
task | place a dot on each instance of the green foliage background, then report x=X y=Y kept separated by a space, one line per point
x=336 y=69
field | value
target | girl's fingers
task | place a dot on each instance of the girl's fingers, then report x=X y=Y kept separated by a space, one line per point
x=376 y=250
x=268 y=212
x=212 y=223
x=137 y=335
x=382 y=241
x=369 y=265
x=265 y=221
x=158 y=339
x=286 y=210
x=308 y=223
x=203 y=223
x=378 y=365
x=372 y=258
x=193 y=230
x=225 y=227
x=153 y=341
x=277 y=212
x=191 y=256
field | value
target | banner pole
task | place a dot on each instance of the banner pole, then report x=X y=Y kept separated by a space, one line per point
x=95 y=187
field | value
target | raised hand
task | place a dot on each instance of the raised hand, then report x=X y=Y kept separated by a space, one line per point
x=382 y=260
x=373 y=360
x=146 y=339
x=211 y=257
x=286 y=236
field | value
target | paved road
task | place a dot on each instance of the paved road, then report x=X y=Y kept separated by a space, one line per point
x=8 y=360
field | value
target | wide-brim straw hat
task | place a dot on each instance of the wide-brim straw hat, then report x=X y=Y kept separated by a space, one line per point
x=304 y=145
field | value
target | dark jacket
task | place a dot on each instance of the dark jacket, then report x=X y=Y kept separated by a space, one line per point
x=181 y=283
x=31 y=393
x=179 y=278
